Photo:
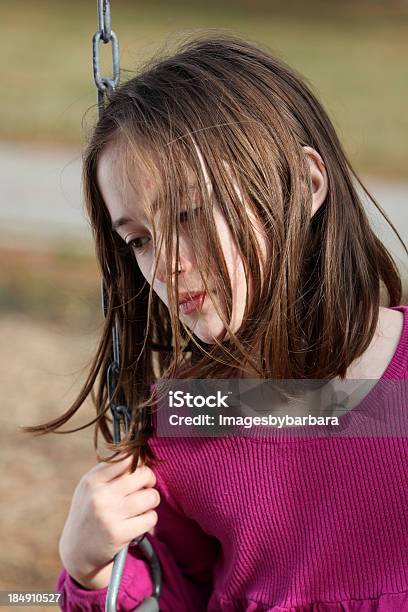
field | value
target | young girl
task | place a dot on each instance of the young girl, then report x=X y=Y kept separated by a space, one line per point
x=233 y=244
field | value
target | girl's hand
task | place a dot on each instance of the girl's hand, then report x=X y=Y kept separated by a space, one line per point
x=109 y=508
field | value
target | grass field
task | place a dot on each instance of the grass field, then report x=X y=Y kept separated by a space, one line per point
x=61 y=287
x=354 y=56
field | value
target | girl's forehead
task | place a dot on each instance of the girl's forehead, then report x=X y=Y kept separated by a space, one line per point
x=130 y=184
x=123 y=191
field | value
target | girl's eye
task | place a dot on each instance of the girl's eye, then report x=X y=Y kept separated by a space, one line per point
x=135 y=244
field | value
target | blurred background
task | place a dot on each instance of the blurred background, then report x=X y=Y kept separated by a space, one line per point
x=354 y=54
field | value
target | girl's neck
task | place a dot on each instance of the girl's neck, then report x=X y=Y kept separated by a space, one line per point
x=374 y=361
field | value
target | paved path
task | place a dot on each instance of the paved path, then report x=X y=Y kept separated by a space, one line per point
x=40 y=196
x=40 y=200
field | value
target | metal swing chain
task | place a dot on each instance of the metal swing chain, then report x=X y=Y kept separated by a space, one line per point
x=120 y=413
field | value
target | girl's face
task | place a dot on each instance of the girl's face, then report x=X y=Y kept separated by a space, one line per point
x=126 y=202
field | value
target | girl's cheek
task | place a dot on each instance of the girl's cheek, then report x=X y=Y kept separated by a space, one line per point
x=145 y=267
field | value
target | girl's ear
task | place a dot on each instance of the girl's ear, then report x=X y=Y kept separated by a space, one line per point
x=318 y=177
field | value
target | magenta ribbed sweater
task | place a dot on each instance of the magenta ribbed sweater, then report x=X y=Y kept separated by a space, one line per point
x=273 y=524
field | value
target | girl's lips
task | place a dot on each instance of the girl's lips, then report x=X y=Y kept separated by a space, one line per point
x=192 y=305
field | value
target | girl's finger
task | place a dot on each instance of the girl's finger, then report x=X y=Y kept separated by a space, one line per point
x=137 y=525
x=140 y=502
x=130 y=483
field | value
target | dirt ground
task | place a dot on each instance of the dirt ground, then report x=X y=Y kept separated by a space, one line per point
x=42 y=366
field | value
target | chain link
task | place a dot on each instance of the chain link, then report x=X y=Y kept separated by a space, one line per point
x=104 y=19
x=105 y=35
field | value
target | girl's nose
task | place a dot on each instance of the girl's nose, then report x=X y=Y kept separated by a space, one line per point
x=182 y=265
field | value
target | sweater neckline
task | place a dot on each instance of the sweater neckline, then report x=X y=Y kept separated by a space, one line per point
x=398 y=363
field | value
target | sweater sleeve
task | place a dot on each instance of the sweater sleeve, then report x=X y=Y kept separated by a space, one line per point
x=187 y=556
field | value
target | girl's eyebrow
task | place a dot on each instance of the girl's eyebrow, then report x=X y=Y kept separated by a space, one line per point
x=119 y=222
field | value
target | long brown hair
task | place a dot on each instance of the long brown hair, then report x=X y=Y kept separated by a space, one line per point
x=318 y=306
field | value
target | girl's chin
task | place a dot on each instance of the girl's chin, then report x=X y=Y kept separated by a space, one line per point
x=204 y=332
x=207 y=329
x=210 y=338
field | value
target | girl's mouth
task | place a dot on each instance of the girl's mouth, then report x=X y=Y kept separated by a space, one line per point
x=193 y=305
